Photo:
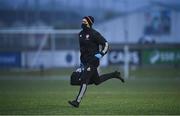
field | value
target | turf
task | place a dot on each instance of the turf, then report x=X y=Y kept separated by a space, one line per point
x=44 y=95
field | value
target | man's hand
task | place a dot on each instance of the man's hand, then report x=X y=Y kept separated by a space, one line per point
x=79 y=70
x=98 y=55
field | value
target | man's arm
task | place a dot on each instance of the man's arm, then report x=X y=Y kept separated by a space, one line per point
x=102 y=41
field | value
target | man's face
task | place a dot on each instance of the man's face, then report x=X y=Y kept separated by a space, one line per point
x=84 y=21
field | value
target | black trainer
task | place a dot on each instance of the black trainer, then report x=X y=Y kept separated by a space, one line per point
x=118 y=76
x=74 y=103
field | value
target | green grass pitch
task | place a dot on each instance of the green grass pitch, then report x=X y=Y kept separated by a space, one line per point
x=148 y=91
x=49 y=95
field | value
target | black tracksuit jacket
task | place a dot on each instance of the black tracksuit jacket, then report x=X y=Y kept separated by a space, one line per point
x=89 y=41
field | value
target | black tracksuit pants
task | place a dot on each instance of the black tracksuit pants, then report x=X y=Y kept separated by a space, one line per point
x=90 y=76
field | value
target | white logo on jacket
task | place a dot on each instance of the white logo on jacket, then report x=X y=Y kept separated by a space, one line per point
x=88 y=69
x=87 y=37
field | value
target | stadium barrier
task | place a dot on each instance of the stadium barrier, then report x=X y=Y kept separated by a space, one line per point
x=139 y=55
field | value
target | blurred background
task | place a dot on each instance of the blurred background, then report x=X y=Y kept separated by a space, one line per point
x=39 y=50
x=42 y=34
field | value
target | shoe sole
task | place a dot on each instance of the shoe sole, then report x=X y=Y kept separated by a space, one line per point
x=122 y=80
x=72 y=104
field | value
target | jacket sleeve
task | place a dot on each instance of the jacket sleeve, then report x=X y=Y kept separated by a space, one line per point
x=102 y=41
x=82 y=62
